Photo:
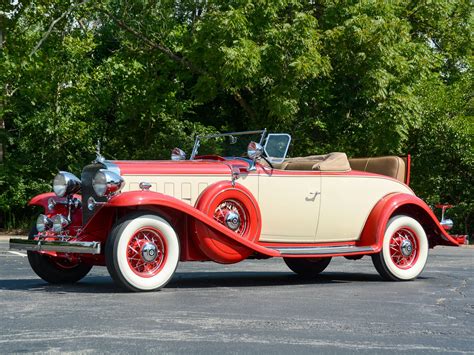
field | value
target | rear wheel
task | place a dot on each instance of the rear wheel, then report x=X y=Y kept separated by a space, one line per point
x=404 y=250
x=56 y=270
x=307 y=266
x=142 y=252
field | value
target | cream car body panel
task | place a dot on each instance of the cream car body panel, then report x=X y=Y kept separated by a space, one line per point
x=346 y=202
x=186 y=187
x=290 y=206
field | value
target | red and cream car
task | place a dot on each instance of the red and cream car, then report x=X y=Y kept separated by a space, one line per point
x=140 y=218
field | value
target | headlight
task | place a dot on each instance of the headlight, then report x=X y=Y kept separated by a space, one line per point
x=43 y=223
x=59 y=223
x=107 y=183
x=66 y=184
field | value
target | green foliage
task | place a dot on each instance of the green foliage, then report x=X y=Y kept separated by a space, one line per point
x=365 y=77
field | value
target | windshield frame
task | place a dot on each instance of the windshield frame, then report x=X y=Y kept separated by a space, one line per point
x=197 y=141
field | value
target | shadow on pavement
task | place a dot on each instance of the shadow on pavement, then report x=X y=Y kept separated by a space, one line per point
x=188 y=280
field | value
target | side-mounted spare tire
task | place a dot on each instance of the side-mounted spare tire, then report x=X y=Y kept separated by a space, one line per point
x=237 y=209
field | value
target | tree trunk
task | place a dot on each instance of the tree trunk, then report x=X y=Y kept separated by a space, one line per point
x=2 y=122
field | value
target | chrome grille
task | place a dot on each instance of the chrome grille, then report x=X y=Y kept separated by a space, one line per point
x=87 y=190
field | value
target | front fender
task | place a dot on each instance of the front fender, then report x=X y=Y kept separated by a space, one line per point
x=42 y=200
x=156 y=199
x=400 y=203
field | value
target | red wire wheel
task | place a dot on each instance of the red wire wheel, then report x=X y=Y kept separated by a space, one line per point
x=235 y=208
x=56 y=270
x=404 y=248
x=63 y=263
x=142 y=251
x=146 y=252
x=233 y=215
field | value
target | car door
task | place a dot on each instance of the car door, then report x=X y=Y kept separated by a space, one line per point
x=289 y=204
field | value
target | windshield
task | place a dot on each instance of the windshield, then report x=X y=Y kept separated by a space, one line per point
x=232 y=144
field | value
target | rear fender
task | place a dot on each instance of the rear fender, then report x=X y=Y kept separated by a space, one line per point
x=101 y=222
x=410 y=205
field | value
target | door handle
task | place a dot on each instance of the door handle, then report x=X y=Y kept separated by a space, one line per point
x=312 y=195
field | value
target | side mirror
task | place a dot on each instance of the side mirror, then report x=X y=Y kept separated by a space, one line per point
x=178 y=154
x=254 y=150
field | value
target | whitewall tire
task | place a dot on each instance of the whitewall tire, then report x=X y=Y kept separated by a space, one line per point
x=142 y=252
x=404 y=250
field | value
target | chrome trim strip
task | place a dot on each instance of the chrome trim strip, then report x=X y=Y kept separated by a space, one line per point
x=62 y=247
x=349 y=249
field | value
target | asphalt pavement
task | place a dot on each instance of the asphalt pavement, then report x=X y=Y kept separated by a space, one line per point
x=256 y=306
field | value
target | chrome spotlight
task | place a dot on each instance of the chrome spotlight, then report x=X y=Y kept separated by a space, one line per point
x=43 y=223
x=66 y=184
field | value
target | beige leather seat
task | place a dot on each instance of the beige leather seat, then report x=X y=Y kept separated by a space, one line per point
x=392 y=166
x=327 y=162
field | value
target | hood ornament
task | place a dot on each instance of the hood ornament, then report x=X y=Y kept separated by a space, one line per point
x=99 y=157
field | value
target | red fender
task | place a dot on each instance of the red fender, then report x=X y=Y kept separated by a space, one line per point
x=216 y=247
x=149 y=198
x=42 y=200
x=374 y=230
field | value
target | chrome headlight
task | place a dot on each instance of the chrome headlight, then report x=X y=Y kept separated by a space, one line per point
x=66 y=184
x=60 y=223
x=43 y=223
x=107 y=183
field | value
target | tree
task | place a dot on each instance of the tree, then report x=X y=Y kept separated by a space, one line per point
x=365 y=77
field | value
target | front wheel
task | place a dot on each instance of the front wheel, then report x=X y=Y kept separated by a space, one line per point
x=142 y=252
x=56 y=270
x=404 y=250
x=307 y=266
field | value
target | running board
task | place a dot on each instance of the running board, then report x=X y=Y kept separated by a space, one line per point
x=346 y=249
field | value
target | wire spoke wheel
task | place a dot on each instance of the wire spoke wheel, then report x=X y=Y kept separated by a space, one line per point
x=404 y=250
x=146 y=252
x=56 y=270
x=233 y=215
x=142 y=252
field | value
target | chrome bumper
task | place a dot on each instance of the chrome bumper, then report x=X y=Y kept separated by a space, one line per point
x=61 y=247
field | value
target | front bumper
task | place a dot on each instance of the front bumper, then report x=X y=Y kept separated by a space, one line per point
x=57 y=246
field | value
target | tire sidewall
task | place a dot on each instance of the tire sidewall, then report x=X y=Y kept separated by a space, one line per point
x=393 y=225
x=122 y=267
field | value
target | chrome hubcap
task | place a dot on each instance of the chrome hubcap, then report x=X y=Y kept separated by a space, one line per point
x=149 y=252
x=233 y=215
x=232 y=220
x=406 y=248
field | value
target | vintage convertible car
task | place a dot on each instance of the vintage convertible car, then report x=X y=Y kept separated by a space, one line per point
x=139 y=218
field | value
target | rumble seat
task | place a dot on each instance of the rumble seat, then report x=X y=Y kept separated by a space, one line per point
x=392 y=166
